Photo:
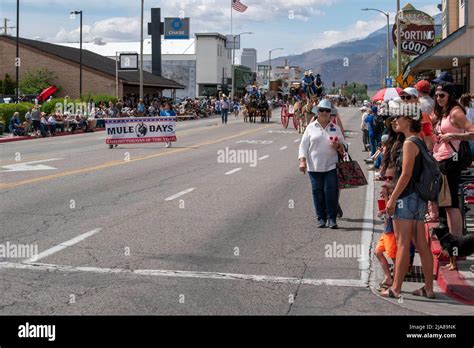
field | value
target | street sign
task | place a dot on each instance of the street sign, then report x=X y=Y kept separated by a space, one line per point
x=404 y=83
x=388 y=82
x=417 y=31
x=128 y=61
x=233 y=42
x=177 y=28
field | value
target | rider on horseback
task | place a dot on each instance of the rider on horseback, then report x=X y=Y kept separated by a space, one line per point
x=308 y=84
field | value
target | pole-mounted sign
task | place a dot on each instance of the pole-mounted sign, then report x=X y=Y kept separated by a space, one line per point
x=417 y=31
x=177 y=28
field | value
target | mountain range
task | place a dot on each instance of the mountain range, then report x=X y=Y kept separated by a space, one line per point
x=353 y=61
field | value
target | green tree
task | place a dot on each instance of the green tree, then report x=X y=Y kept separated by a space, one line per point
x=34 y=81
x=7 y=86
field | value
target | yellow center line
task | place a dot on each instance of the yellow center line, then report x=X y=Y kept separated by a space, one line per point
x=122 y=162
x=181 y=133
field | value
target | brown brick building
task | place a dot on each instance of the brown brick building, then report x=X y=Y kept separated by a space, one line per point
x=98 y=73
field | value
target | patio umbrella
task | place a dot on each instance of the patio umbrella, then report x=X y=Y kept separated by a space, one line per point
x=387 y=94
x=46 y=93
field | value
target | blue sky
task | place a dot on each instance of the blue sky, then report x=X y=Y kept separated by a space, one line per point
x=296 y=25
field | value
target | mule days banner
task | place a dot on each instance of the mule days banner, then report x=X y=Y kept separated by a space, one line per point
x=140 y=130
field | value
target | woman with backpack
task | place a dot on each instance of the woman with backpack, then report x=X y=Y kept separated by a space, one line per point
x=451 y=127
x=406 y=205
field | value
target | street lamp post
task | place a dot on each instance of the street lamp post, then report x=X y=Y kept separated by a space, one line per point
x=80 y=49
x=141 y=51
x=232 y=94
x=399 y=40
x=270 y=64
x=17 y=60
x=387 y=14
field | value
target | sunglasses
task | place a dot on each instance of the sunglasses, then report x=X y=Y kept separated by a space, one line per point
x=324 y=110
x=407 y=97
x=441 y=95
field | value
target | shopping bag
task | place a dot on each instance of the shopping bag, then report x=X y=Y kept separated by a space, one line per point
x=349 y=173
x=445 y=194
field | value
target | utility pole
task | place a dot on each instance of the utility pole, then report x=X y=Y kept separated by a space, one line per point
x=6 y=27
x=399 y=40
x=141 y=50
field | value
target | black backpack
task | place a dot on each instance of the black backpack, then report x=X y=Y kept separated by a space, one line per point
x=428 y=185
x=464 y=154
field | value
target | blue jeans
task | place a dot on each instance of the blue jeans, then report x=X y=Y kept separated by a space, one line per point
x=225 y=115
x=373 y=144
x=325 y=194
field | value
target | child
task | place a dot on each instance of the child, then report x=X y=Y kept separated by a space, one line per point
x=387 y=242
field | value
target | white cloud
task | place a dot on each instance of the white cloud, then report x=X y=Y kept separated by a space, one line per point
x=207 y=15
x=432 y=10
x=358 y=30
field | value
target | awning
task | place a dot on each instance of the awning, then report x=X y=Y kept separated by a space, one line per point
x=440 y=57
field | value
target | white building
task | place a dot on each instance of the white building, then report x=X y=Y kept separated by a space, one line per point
x=202 y=64
x=249 y=58
x=214 y=63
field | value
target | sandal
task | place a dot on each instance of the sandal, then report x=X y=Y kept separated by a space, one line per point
x=383 y=286
x=390 y=294
x=422 y=293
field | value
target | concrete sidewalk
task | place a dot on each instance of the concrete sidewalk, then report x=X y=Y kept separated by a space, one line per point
x=454 y=289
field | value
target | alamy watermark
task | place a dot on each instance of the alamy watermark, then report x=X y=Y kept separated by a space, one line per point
x=229 y=156
x=346 y=251
x=22 y=251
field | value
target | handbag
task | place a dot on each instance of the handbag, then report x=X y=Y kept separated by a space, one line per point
x=445 y=200
x=464 y=154
x=349 y=173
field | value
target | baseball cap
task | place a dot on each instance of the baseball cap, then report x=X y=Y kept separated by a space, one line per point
x=443 y=78
x=413 y=111
x=423 y=86
x=411 y=91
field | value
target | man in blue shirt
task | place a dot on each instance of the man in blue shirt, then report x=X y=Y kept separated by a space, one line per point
x=370 y=121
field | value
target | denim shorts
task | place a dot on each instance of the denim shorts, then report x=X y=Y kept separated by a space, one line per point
x=411 y=207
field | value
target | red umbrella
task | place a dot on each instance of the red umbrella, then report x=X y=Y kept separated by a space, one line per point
x=46 y=93
x=387 y=94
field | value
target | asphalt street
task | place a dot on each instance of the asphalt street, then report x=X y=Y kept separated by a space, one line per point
x=175 y=232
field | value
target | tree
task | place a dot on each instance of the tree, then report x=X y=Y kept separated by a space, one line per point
x=34 y=81
x=7 y=86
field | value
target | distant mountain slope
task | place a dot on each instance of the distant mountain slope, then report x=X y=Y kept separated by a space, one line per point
x=363 y=57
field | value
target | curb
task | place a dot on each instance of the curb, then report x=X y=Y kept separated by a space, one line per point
x=21 y=138
x=450 y=282
x=455 y=286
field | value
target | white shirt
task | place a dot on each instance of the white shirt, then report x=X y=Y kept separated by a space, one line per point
x=427 y=104
x=364 y=125
x=316 y=147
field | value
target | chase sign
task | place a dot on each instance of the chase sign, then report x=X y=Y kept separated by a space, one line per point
x=177 y=28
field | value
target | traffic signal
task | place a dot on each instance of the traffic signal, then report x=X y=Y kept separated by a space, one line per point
x=345 y=84
x=334 y=84
x=355 y=85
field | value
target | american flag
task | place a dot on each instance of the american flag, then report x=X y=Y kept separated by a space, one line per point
x=238 y=6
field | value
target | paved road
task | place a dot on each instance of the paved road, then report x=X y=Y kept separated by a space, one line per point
x=173 y=231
